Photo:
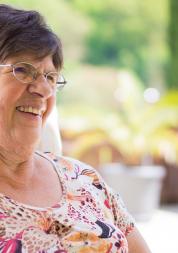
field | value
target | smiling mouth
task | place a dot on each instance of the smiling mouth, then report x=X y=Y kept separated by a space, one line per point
x=31 y=110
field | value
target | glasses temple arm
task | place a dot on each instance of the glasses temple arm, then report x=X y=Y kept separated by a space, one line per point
x=5 y=65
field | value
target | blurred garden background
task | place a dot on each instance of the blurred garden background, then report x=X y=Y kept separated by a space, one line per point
x=121 y=63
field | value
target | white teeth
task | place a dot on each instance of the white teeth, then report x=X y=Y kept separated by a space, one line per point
x=21 y=108
x=35 y=111
x=29 y=109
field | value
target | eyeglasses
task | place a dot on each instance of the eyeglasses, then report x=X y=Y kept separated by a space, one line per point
x=27 y=73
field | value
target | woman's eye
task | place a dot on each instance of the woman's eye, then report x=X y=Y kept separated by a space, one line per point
x=51 y=79
x=21 y=70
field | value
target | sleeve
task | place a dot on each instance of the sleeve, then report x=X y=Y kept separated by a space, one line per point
x=122 y=218
x=112 y=201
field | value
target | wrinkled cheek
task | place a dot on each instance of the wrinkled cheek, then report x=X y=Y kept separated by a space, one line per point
x=3 y=119
x=3 y=132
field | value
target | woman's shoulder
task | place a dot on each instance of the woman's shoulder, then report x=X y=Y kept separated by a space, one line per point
x=78 y=176
x=72 y=167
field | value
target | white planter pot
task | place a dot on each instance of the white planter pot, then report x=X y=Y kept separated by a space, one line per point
x=139 y=186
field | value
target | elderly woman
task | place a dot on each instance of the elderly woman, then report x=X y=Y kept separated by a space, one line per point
x=47 y=203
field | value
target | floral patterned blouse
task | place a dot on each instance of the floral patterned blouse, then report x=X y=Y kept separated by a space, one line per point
x=89 y=218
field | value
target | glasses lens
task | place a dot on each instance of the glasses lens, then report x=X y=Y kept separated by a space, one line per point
x=24 y=72
x=52 y=78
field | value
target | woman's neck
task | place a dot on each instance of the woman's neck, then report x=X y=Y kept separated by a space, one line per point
x=16 y=168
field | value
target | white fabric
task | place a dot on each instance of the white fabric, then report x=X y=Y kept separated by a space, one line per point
x=51 y=139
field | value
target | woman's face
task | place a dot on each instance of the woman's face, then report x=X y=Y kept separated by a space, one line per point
x=24 y=107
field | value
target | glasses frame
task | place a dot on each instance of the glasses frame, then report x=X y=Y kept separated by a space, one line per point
x=59 y=85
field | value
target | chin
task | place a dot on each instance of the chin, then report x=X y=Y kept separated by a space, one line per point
x=28 y=138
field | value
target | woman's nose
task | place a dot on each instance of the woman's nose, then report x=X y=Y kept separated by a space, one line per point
x=41 y=86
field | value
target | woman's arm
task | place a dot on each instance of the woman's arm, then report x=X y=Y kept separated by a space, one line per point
x=136 y=242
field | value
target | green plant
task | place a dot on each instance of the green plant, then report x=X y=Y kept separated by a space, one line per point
x=150 y=129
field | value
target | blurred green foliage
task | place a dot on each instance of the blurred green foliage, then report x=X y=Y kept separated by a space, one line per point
x=173 y=42
x=129 y=34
